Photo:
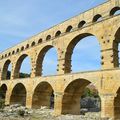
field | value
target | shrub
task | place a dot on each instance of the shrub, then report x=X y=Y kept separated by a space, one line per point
x=2 y=103
x=21 y=112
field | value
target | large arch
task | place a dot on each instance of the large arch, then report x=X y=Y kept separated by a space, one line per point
x=70 y=48
x=43 y=95
x=3 y=90
x=6 y=74
x=18 y=66
x=72 y=96
x=18 y=95
x=40 y=59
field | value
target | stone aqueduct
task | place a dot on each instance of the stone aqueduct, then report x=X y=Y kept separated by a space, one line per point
x=67 y=87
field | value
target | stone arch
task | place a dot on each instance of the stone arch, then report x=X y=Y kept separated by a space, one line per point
x=70 y=48
x=43 y=95
x=27 y=46
x=40 y=41
x=22 y=48
x=97 y=18
x=114 y=10
x=13 y=52
x=18 y=95
x=69 y=28
x=72 y=96
x=33 y=44
x=18 y=65
x=3 y=90
x=81 y=24
x=48 y=37
x=58 y=33
x=5 y=70
x=5 y=55
x=17 y=50
x=9 y=53
x=40 y=58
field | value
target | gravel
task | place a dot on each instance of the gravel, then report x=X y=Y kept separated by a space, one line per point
x=15 y=112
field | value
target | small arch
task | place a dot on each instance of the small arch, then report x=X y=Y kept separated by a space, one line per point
x=43 y=96
x=5 y=72
x=69 y=28
x=3 y=90
x=48 y=37
x=115 y=11
x=5 y=55
x=22 y=48
x=97 y=18
x=18 y=95
x=17 y=50
x=13 y=52
x=33 y=44
x=40 y=41
x=27 y=46
x=2 y=56
x=9 y=54
x=58 y=33
x=81 y=24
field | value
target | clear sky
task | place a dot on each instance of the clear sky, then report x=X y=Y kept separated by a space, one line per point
x=20 y=19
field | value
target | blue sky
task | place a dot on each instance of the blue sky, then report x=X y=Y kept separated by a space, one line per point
x=21 y=19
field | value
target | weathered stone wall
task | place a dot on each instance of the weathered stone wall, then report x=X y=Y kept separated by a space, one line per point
x=64 y=37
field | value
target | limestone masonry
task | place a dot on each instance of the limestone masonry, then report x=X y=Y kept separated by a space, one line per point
x=67 y=87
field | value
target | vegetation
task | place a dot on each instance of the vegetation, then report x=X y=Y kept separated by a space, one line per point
x=88 y=92
x=22 y=75
x=21 y=113
x=2 y=103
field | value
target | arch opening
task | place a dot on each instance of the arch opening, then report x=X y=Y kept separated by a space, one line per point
x=33 y=44
x=115 y=11
x=97 y=18
x=22 y=67
x=48 y=37
x=27 y=46
x=39 y=41
x=69 y=28
x=81 y=24
x=3 y=90
x=81 y=56
x=18 y=95
x=47 y=58
x=6 y=72
x=58 y=33
x=43 y=96
x=80 y=95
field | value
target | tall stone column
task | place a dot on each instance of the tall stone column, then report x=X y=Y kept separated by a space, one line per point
x=13 y=75
x=7 y=97
x=107 y=106
x=109 y=53
x=58 y=103
x=29 y=99
x=64 y=63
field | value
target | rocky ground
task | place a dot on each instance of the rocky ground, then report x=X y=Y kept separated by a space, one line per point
x=17 y=112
